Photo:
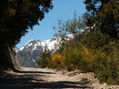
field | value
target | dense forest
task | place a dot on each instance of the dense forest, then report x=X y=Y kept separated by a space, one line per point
x=95 y=45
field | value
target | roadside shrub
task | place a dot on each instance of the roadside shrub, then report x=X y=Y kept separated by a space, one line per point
x=45 y=58
x=92 y=53
x=105 y=68
x=57 y=60
x=104 y=62
x=72 y=57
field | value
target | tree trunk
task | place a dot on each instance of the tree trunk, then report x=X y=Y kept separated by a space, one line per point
x=8 y=59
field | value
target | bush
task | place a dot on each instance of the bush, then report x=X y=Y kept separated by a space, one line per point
x=104 y=62
x=106 y=69
x=45 y=58
x=72 y=57
x=93 y=53
x=57 y=60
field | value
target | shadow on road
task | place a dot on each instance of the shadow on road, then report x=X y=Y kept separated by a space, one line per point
x=28 y=81
x=35 y=72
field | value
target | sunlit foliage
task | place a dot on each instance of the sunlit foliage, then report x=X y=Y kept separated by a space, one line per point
x=57 y=59
x=95 y=48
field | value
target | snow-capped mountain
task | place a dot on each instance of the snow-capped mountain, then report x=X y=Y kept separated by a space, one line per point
x=31 y=52
x=33 y=45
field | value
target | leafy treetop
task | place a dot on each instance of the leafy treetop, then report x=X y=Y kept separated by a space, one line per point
x=18 y=15
x=105 y=14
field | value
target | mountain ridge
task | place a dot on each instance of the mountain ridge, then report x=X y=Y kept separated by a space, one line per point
x=30 y=53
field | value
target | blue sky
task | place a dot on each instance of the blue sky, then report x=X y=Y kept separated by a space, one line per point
x=62 y=9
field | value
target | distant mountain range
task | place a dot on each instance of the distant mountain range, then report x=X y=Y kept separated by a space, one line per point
x=29 y=54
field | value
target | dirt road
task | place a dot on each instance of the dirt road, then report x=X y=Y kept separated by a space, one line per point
x=38 y=78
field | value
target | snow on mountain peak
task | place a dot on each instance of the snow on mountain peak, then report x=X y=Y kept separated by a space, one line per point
x=51 y=43
x=32 y=50
x=31 y=44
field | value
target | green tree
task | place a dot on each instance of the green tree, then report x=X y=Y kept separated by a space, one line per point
x=105 y=14
x=70 y=27
x=45 y=58
x=95 y=40
x=16 y=17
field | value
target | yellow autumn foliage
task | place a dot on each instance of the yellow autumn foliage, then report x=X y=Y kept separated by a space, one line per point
x=57 y=59
x=87 y=54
